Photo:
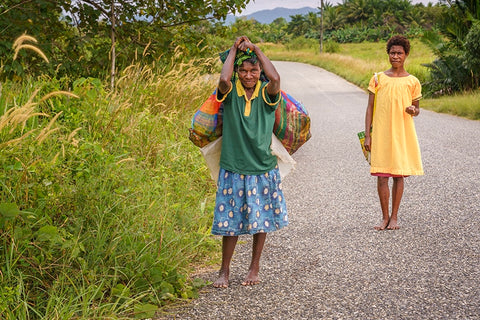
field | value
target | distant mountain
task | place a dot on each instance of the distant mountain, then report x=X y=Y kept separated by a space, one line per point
x=268 y=16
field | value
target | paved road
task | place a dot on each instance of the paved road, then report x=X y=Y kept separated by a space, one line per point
x=329 y=263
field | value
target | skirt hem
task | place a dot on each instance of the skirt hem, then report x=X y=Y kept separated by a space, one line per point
x=217 y=232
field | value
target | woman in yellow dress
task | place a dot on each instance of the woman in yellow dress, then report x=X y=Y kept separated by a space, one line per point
x=390 y=130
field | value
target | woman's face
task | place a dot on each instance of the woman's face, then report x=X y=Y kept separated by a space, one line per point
x=249 y=74
x=397 y=56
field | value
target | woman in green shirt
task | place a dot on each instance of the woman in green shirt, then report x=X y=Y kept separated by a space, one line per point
x=249 y=197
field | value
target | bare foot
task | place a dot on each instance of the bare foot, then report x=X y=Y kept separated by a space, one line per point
x=392 y=225
x=382 y=226
x=251 y=279
x=222 y=281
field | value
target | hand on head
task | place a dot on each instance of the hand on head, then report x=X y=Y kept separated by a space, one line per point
x=243 y=43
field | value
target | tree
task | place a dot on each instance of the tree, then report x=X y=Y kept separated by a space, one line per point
x=159 y=13
x=304 y=25
x=457 y=20
x=357 y=11
x=91 y=30
x=321 y=26
x=472 y=49
x=332 y=18
x=456 y=67
x=41 y=19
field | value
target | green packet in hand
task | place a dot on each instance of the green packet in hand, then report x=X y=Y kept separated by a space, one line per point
x=361 y=137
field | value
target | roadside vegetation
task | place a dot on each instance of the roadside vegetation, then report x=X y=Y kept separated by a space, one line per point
x=105 y=205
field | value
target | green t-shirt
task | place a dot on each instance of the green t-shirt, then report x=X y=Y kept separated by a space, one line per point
x=247 y=130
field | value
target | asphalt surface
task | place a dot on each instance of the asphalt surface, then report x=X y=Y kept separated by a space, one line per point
x=330 y=263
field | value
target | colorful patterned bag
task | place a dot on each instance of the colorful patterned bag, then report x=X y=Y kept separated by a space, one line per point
x=292 y=123
x=207 y=122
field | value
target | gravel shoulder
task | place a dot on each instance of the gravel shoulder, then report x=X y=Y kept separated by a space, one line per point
x=330 y=263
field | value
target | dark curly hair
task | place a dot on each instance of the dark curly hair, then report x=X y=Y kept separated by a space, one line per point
x=399 y=41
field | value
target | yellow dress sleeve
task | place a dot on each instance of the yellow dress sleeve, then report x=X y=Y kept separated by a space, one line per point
x=416 y=90
x=371 y=85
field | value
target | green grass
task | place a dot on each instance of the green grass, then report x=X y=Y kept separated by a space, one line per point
x=105 y=204
x=465 y=105
x=356 y=62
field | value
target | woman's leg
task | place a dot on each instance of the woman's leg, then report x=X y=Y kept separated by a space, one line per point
x=384 y=195
x=228 y=247
x=257 y=248
x=397 y=193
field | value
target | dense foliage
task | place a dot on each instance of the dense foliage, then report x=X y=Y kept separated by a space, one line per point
x=374 y=20
x=79 y=36
x=357 y=21
x=456 y=45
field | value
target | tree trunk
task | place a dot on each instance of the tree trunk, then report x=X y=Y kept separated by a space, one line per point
x=321 y=26
x=112 y=51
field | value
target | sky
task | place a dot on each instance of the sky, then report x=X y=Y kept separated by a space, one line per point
x=257 y=5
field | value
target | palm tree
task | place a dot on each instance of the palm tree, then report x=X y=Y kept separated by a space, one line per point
x=357 y=11
x=456 y=68
x=299 y=25
x=332 y=19
x=458 y=19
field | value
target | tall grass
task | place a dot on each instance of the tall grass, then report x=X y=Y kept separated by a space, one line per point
x=104 y=202
x=465 y=105
x=356 y=62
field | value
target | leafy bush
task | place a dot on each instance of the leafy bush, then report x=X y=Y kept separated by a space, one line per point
x=358 y=34
x=331 y=46
x=456 y=46
x=302 y=43
x=448 y=75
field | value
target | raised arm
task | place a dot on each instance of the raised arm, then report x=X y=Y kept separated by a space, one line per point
x=274 y=85
x=225 y=83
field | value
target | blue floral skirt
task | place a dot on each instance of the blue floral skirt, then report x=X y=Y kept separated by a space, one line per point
x=249 y=204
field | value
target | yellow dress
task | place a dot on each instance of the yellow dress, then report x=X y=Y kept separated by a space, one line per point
x=395 y=148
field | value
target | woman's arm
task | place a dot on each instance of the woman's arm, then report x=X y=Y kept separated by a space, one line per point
x=368 y=121
x=273 y=87
x=225 y=82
